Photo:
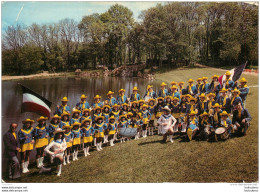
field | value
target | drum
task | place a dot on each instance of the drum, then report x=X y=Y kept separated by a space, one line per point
x=221 y=134
x=146 y=98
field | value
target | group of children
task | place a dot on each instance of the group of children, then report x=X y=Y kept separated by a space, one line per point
x=200 y=111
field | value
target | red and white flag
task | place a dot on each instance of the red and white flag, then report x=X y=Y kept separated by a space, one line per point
x=235 y=73
x=33 y=102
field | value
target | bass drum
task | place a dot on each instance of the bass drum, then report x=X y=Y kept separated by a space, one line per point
x=221 y=134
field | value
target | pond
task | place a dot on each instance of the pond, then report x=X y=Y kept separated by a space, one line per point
x=55 y=89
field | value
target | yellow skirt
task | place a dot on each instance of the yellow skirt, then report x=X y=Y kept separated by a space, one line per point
x=176 y=115
x=158 y=114
x=145 y=120
x=26 y=147
x=76 y=141
x=41 y=142
x=87 y=139
x=112 y=132
x=100 y=134
x=51 y=139
x=69 y=144
x=153 y=117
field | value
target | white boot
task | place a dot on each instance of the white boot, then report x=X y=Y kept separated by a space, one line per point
x=64 y=160
x=59 y=170
x=95 y=141
x=73 y=156
x=52 y=159
x=68 y=159
x=41 y=161
x=85 y=152
x=170 y=137
x=138 y=135
x=97 y=145
x=152 y=131
x=38 y=162
x=145 y=133
x=76 y=155
x=149 y=131
x=100 y=146
x=26 y=166
x=111 y=143
x=88 y=151
x=23 y=167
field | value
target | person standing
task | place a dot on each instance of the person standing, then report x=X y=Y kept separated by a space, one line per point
x=11 y=149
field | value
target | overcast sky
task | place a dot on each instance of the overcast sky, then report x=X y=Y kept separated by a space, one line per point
x=50 y=12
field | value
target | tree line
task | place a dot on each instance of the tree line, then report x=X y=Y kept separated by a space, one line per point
x=178 y=32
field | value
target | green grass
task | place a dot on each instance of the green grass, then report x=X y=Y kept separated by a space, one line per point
x=147 y=160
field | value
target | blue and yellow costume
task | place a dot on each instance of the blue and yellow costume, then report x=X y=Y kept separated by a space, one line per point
x=151 y=94
x=68 y=136
x=191 y=89
x=25 y=143
x=99 y=129
x=76 y=136
x=112 y=128
x=62 y=108
x=146 y=114
x=121 y=99
x=87 y=133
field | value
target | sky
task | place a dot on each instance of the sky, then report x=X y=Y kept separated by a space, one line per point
x=51 y=12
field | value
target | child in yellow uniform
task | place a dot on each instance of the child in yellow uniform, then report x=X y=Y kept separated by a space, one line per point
x=99 y=129
x=41 y=142
x=26 y=140
x=87 y=131
x=68 y=135
x=76 y=140
x=112 y=126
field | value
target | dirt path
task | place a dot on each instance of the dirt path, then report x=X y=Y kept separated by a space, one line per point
x=246 y=73
x=34 y=76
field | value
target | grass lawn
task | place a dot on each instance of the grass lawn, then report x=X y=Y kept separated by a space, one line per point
x=147 y=160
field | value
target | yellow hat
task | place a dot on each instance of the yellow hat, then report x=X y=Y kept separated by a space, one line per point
x=75 y=111
x=211 y=94
x=217 y=105
x=66 y=127
x=215 y=76
x=106 y=106
x=144 y=105
x=228 y=73
x=42 y=118
x=173 y=83
x=121 y=116
x=192 y=113
x=121 y=90
x=152 y=99
x=130 y=114
x=181 y=83
x=204 y=114
x=174 y=87
x=190 y=81
x=86 y=110
x=204 y=78
x=236 y=91
x=224 y=113
x=110 y=93
x=139 y=114
x=76 y=124
x=64 y=99
x=115 y=105
x=199 y=79
x=58 y=130
x=65 y=113
x=192 y=99
x=56 y=117
x=163 y=84
x=223 y=90
x=168 y=96
x=99 y=117
x=135 y=89
x=141 y=101
x=202 y=95
x=97 y=107
x=149 y=86
x=28 y=120
x=243 y=80
x=125 y=104
x=175 y=98
x=134 y=102
x=97 y=97
x=160 y=98
x=112 y=117
x=188 y=95
x=85 y=120
x=83 y=96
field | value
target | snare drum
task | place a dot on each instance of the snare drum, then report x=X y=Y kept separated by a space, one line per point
x=221 y=134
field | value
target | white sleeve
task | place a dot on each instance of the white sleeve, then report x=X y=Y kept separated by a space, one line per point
x=47 y=149
x=173 y=121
